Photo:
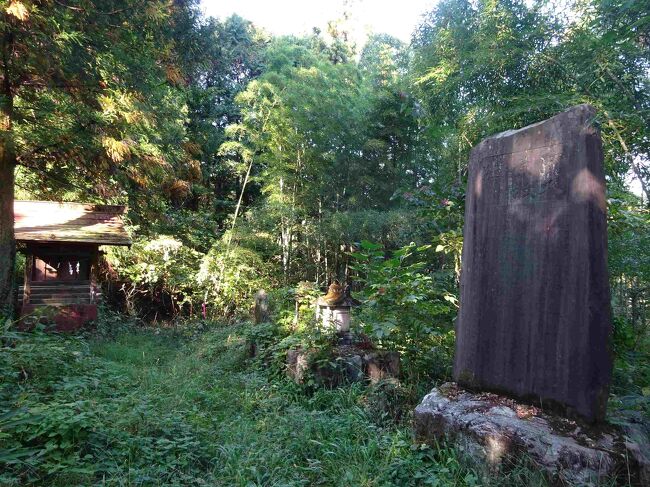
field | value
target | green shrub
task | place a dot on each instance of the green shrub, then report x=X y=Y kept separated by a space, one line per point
x=408 y=307
x=153 y=269
x=228 y=278
x=42 y=419
x=172 y=277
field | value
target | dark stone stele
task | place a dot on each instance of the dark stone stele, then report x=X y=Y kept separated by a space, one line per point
x=535 y=319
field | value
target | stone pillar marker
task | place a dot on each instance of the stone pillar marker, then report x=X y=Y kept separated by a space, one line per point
x=534 y=319
x=261 y=312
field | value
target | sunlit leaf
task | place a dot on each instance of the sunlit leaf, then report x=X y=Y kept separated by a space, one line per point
x=18 y=10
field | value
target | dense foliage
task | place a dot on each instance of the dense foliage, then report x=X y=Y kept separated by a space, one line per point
x=408 y=310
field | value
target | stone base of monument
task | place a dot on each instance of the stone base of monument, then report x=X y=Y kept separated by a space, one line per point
x=352 y=359
x=495 y=431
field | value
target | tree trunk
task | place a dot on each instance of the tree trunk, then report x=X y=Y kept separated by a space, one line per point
x=285 y=238
x=7 y=167
x=7 y=242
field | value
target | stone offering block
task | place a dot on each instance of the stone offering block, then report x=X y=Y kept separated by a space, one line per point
x=534 y=317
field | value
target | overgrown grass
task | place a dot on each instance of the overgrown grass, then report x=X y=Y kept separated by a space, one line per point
x=151 y=407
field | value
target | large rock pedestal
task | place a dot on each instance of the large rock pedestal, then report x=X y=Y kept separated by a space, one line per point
x=495 y=431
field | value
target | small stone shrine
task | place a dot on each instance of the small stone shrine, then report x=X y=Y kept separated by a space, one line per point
x=334 y=308
x=534 y=321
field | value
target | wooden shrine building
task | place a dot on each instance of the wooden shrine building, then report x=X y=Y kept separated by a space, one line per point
x=61 y=244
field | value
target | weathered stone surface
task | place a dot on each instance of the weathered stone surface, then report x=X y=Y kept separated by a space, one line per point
x=344 y=366
x=535 y=319
x=494 y=430
x=351 y=367
x=297 y=365
x=382 y=365
x=349 y=361
x=637 y=442
x=261 y=311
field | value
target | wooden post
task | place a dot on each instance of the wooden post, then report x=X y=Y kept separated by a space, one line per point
x=94 y=262
x=27 y=288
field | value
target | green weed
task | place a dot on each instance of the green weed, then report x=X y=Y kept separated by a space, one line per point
x=145 y=407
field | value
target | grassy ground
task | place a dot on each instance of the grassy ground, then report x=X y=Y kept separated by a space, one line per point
x=154 y=408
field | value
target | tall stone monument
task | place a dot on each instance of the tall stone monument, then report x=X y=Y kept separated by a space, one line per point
x=534 y=329
x=534 y=318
